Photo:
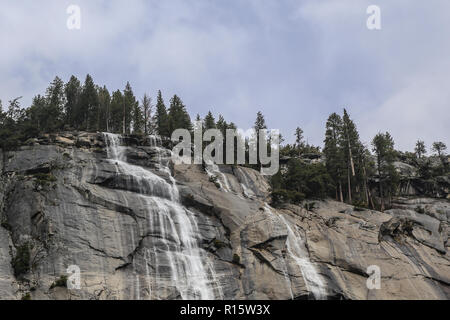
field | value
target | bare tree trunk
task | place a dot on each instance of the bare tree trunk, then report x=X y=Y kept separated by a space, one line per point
x=370 y=198
x=352 y=165
x=349 y=187
x=381 y=195
x=340 y=192
x=123 y=129
x=366 y=191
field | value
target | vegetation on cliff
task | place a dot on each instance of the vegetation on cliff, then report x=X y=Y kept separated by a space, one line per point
x=345 y=169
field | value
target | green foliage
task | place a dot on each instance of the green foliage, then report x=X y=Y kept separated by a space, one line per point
x=72 y=91
x=6 y=226
x=347 y=159
x=21 y=262
x=282 y=196
x=219 y=244
x=260 y=124
x=161 y=117
x=178 y=117
x=131 y=113
x=383 y=146
x=89 y=104
x=420 y=149
x=333 y=151
x=60 y=282
x=299 y=143
x=439 y=148
x=146 y=108
x=44 y=179
x=420 y=210
x=116 y=121
x=26 y=296
x=103 y=121
x=214 y=180
x=209 y=122
x=300 y=181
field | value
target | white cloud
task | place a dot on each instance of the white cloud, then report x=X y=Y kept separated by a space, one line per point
x=295 y=61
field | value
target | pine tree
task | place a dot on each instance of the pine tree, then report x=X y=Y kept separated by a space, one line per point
x=350 y=144
x=147 y=113
x=38 y=113
x=333 y=152
x=116 y=121
x=383 y=146
x=209 y=122
x=420 y=149
x=72 y=92
x=440 y=147
x=10 y=133
x=104 y=110
x=55 y=101
x=89 y=104
x=131 y=113
x=222 y=125
x=260 y=124
x=364 y=169
x=299 y=140
x=178 y=116
x=161 y=117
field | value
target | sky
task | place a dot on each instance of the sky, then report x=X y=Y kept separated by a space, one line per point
x=296 y=61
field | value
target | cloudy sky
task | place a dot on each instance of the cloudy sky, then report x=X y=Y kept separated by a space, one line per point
x=295 y=60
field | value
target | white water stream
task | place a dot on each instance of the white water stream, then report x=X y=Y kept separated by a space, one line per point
x=174 y=259
x=297 y=251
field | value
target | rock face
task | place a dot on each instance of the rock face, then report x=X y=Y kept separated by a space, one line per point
x=137 y=227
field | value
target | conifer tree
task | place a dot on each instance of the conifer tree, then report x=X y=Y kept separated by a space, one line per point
x=116 y=121
x=161 y=117
x=89 y=104
x=299 y=143
x=209 y=122
x=178 y=116
x=420 y=149
x=222 y=125
x=333 y=152
x=260 y=124
x=383 y=147
x=72 y=92
x=147 y=113
x=350 y=144
x=38 y=113
x=439 y=147
x=104 y=110
x=55 y=101
x=131 y=113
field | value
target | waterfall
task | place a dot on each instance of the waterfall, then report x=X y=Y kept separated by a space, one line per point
x=213 y=170
x=297 y=251
x=173 y=258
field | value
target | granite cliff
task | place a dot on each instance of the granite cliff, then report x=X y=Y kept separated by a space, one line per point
x=138 y=227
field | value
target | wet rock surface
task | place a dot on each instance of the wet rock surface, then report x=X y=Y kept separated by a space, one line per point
x=67 y=201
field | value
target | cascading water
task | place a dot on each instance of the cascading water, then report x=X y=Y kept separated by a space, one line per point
x=213 y=170
x=173 y=258
x=297 y=251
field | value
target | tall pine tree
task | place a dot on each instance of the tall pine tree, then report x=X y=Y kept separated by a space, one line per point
x=89 y=104
x=383 y=146
x=178 y=116
x=72 y=92
x=161 y=118
x=333 y=152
